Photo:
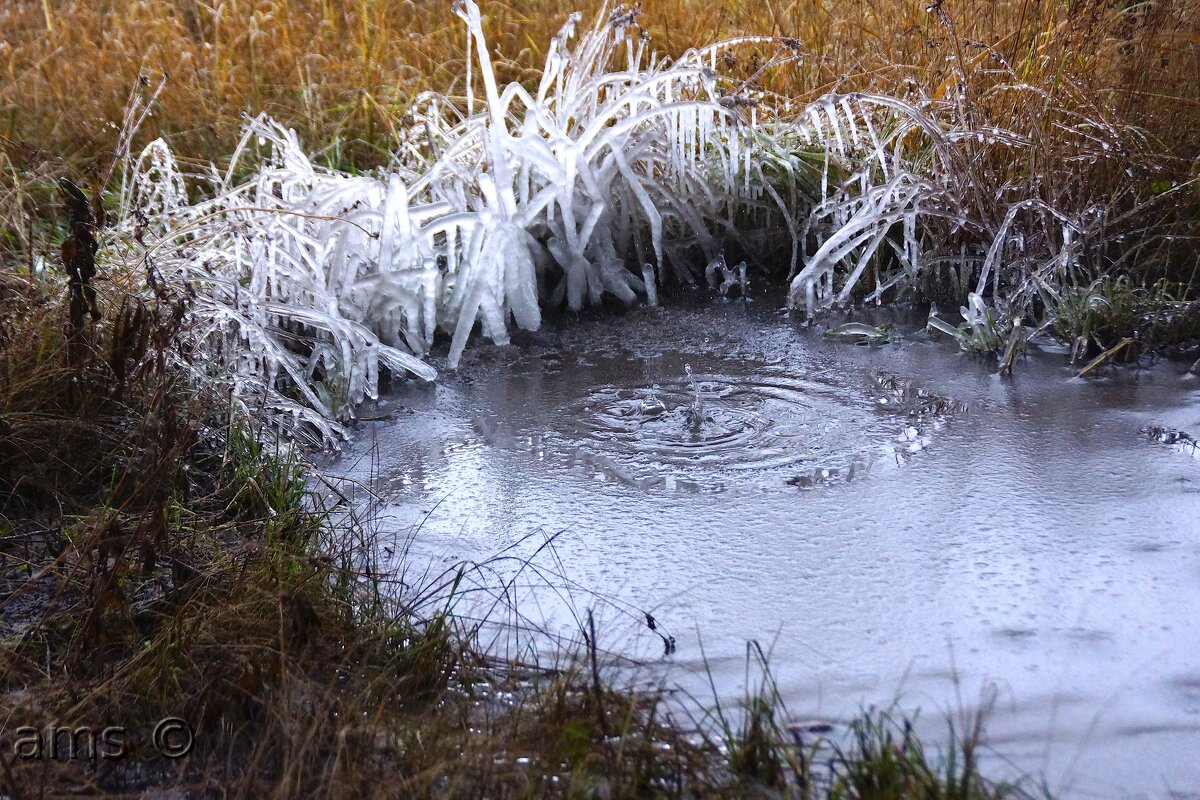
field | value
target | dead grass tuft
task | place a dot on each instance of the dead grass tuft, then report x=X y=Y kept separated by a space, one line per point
x=342 y=73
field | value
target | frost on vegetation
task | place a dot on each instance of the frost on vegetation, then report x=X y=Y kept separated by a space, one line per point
x=613 y=175
x=724 y=278
x=912 y=194
x=979 y=332
x=620 y=172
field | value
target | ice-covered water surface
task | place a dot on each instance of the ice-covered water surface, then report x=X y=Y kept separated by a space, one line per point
x=891 y=522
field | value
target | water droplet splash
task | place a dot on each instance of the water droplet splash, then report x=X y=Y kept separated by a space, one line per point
x=752 y=424
x=694 y=414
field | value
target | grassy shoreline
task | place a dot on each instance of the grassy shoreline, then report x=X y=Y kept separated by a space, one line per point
x=176 y=567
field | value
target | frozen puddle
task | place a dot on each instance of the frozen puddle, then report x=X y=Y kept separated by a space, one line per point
x=891 y=522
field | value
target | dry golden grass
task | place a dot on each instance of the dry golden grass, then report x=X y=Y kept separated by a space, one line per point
x=342 y=72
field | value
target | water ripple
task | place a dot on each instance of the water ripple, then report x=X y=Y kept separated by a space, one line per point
x=751 y=418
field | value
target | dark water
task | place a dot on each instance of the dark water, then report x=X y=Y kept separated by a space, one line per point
x=891 y=523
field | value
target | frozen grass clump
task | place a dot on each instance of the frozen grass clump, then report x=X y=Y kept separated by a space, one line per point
x=919 y=200
x=267 y=311
x=620 y=172
x=309 y=281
